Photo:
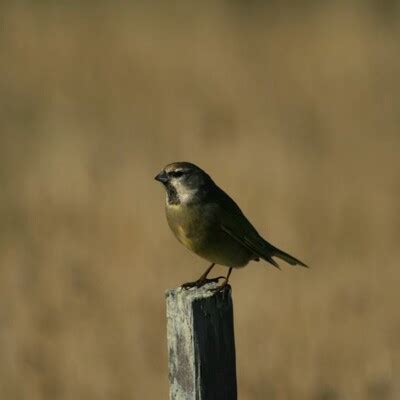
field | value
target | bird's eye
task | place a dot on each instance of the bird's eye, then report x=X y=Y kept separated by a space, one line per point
x=176 y=174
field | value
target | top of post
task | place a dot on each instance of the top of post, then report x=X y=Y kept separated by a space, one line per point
x=191 y=294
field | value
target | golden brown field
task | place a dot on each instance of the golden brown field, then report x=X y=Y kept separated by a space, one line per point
x=295 y=111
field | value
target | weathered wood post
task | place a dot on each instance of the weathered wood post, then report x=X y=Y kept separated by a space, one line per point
x=201 y=344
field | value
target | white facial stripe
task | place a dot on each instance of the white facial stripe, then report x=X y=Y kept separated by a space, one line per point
x=178 y=169
x=185 y=194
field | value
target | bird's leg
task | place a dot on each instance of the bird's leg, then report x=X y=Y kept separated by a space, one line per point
x=206 y=272
x=225 y=283
x=203 y=279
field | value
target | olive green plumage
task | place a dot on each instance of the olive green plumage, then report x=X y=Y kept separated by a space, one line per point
x=209 y=223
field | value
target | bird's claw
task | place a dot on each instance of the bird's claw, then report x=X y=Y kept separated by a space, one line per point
x=221 y=287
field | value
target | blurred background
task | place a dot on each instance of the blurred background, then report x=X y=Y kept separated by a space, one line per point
x=293 y=109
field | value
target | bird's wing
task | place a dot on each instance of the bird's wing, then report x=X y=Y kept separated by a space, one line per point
x=234 y=223
x=246 y=242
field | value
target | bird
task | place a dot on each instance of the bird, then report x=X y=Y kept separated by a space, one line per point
x=207 y=221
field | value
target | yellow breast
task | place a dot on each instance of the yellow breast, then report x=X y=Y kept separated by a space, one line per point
x=184 y=224
x=183 y=238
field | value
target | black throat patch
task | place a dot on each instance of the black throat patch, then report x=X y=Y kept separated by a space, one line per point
x=172 y=195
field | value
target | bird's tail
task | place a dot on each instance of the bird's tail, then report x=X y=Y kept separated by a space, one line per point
x=287 y=257
x=272 y=251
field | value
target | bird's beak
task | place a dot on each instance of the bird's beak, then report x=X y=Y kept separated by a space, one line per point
x=162 y=177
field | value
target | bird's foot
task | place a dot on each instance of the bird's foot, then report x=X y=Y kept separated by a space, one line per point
x=201 y=282
x=224 y=286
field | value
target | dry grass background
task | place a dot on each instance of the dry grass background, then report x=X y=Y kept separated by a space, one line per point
x=295 y=111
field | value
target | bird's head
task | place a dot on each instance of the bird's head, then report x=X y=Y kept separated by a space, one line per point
x=184 y=182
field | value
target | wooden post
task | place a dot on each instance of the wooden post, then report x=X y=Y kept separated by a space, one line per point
x=201 y=344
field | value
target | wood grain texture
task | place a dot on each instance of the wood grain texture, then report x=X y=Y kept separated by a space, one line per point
x=201 y=344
